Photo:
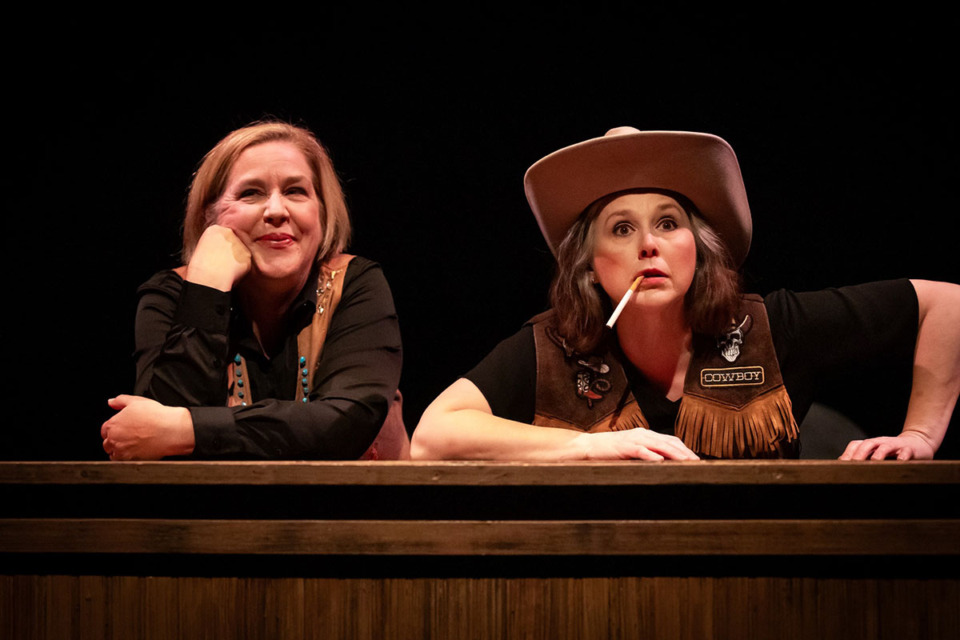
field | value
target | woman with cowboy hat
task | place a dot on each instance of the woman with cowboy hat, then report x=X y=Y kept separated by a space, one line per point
x=651 y=351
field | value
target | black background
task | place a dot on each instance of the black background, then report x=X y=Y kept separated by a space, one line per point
x=845 y=127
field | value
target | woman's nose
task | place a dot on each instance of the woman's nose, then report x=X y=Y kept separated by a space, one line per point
x=274 y=209
x=648 y=246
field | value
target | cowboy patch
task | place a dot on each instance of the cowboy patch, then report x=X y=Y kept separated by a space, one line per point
x=732 y=377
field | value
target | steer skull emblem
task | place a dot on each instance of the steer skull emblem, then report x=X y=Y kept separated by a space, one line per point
x=729 y=343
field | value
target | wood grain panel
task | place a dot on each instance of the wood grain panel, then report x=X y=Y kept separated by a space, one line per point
x=416 y=537
x=555 y=608
x=705 y=550
x=387 y=473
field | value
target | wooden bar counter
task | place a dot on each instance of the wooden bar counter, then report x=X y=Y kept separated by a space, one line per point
x=796 y=549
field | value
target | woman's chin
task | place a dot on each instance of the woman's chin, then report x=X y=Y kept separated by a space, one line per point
x=278 y=275
x=655 y=299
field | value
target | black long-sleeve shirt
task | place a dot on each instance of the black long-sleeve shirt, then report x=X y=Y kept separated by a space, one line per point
x=186 y=334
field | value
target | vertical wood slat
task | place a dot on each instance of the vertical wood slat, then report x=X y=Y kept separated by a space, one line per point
x=62 y=605
x=6 y=606
x=93 y=607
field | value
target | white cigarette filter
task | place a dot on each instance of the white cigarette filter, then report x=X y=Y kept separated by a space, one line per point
x=623 y=302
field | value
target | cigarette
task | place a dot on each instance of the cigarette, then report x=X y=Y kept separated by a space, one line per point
x=623 y=302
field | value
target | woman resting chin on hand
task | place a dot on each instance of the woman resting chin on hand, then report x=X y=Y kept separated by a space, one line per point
x=269 y=342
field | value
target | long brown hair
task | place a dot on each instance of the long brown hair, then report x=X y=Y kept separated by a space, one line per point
x=211 y=178
x=581 y=306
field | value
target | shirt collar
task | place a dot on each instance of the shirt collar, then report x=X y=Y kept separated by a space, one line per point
x=305 y=304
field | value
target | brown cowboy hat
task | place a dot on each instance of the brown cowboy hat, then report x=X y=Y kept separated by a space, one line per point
x=700 y=166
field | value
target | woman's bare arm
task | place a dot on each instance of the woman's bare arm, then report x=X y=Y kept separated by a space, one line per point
x=459 y=425
x=936 y=380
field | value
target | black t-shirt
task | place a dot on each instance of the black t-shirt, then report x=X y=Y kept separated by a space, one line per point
x=822 y=338
x=187 y=333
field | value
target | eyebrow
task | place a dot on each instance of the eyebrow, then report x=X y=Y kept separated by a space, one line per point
x=660 y=208
x=253 y=180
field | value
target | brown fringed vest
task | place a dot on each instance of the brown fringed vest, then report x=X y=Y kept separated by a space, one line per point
x=734 y=403
x=392 y=442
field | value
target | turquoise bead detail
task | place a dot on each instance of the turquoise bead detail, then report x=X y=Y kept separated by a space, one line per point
x=238 y=374
x=304 y=380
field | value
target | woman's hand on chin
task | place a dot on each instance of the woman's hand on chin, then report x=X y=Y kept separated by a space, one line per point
x=220 y=260
x=144 y=429
x=633 y=444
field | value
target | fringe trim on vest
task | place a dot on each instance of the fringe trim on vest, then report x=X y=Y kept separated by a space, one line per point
x=764 y=428
x=631 y=417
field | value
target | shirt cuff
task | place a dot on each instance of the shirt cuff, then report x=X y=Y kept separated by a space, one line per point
x=214 y=432
x=204 y=308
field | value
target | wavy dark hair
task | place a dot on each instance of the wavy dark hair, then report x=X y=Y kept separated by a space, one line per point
x=582 y=307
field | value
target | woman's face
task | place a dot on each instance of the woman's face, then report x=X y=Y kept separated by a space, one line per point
x=270 y=203
x=646 y=234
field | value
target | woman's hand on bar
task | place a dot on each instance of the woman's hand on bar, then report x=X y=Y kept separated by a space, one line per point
x=144 y=429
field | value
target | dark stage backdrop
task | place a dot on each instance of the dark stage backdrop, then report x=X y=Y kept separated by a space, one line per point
x=846 y=135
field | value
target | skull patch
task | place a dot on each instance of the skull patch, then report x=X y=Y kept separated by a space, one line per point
x=729 y=342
